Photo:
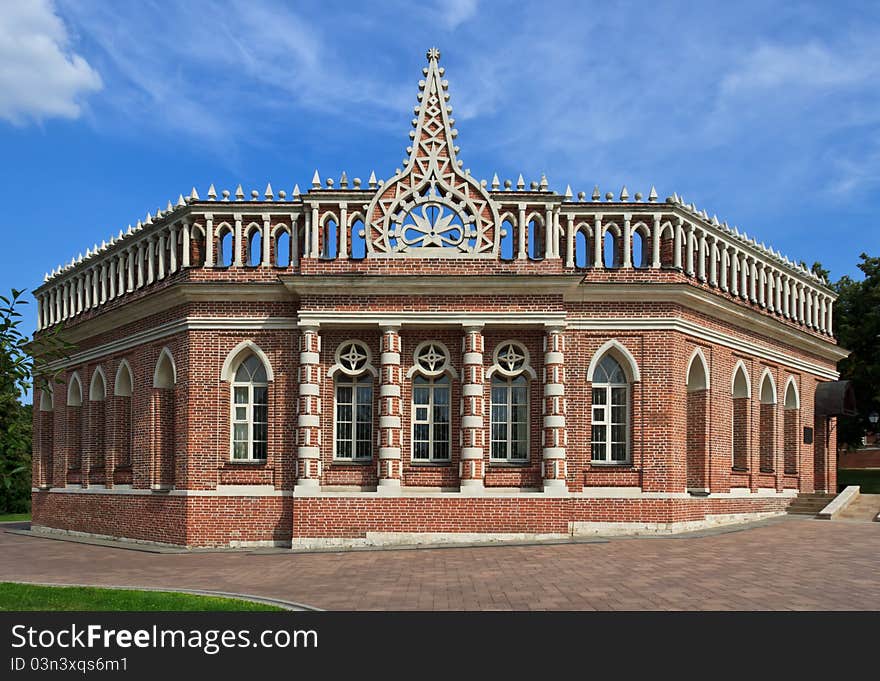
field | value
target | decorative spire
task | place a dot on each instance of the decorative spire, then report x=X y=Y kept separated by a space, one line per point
x=194 y=195
x=495 y=182
x=568 y=193
x=212 y=193
x=239 y=193
x=520 y=182
x=372 y=181
x=596 y=195
x=652 y=195
x=316 y=180
x=268 y=194
x=343 y=181
x=180 y=202
x=624 y=194
x=295 y=194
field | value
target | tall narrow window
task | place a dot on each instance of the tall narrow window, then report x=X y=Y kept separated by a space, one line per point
x=610 y=439
x=250 y=411
x=510 y=418
x=354 y=403
x=430 y=418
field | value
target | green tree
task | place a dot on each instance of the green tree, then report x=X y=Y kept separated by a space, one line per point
x=20 y=359
x=857 y=327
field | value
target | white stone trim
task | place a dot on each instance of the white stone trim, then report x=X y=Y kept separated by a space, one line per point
x=613 y=344
x=588 y=529
x=226 y=372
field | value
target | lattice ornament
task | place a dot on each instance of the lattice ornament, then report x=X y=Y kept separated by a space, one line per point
x=432 y=208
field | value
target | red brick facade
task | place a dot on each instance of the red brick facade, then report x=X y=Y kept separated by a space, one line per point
x=158 y=435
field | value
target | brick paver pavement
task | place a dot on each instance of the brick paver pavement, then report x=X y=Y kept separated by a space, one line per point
x=790 y=564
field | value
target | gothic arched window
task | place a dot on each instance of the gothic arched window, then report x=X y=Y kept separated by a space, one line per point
x=250 y=410
x=431 y=432
x=354 y=402
x=610 y=433
x=509 y=409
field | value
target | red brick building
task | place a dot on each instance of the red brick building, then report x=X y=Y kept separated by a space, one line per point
x=430 y=357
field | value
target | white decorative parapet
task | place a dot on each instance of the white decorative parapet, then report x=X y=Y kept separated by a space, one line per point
x=839 y=503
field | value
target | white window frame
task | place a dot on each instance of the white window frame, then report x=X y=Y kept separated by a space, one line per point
x=608 y=424
x=431 y=383
x=249 y=406
x=352 y=382
x=507 y=382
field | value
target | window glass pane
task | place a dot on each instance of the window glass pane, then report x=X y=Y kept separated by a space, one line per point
x=421 y=431
x=241 y=413
x=343 y=449
x=259 y=375
x=598 y=414
x=261 y=431
x=521 y=432
x=420 y=395
x=241 y=394
x=618 y=434
x=364 y=412
x=421 y=414
x=618 y=414
x=499 y=450
x=239 y=450
x=363 y=431
x=240 y=432
x=618 y=395
x=420 y=450
x=499 y=395
x=259 y=450
x=242 y=375
x=499 y=431
x=598 y=451
x=598 y=396
x=519 y=450
x=261 y=395
x=365 y=394
x=441 y=432
x=343 y=393
x=343 y=412
x=618 y=451
x=441 y=450
x=520 y=413
x=343 y=429
x=441 y=395
x=261 y=413
x=363 y=449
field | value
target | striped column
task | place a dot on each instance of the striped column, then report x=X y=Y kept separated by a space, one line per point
x=308 y=431
x=390 y=432
x=553 y=465
x=472 y=467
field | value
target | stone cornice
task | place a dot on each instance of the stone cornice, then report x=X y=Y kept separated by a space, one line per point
x=425 y=285
x=711 y=304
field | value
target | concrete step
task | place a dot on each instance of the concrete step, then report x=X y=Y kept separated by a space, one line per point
x=809 y=503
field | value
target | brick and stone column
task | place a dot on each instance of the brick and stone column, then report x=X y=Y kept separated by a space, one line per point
x=390 y=412
x=554 y=437
x=308 y=432
x=472 y=467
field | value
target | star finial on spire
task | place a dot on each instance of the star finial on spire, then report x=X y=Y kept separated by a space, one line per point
x=433 y=54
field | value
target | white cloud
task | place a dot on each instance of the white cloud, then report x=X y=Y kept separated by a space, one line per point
x=810 y=65
x=453 y=13
x=40 y=77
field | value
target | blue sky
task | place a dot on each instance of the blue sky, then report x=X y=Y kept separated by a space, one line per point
x=766 y=114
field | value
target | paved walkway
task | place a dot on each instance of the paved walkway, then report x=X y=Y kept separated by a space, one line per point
x=793 y=563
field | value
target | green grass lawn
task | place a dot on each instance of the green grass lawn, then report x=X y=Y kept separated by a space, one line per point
x=32 y=597
x=14 y=517
x=867 y=478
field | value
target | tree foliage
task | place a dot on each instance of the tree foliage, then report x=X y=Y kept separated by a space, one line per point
x=20 y=359
x=857 y=327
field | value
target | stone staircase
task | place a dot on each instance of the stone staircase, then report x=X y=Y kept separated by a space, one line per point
x=865 y=507
x=809 y=503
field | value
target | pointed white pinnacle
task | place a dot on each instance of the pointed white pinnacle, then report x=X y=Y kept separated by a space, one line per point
x=543 y=184
x=568 y=193
x=46 y=277
x=148 y=220
x=316 y=180
x=596 y=194
x=268 y=194
x=169 y=207
x=212 y=193
x=652 y=195
x=372 y=180
x=180 y=201
x=239 y=193
x=495 y=182
x=194 y=195
x=520 y=182
x=343 y=180
x=295 y=191
x=624 y=194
